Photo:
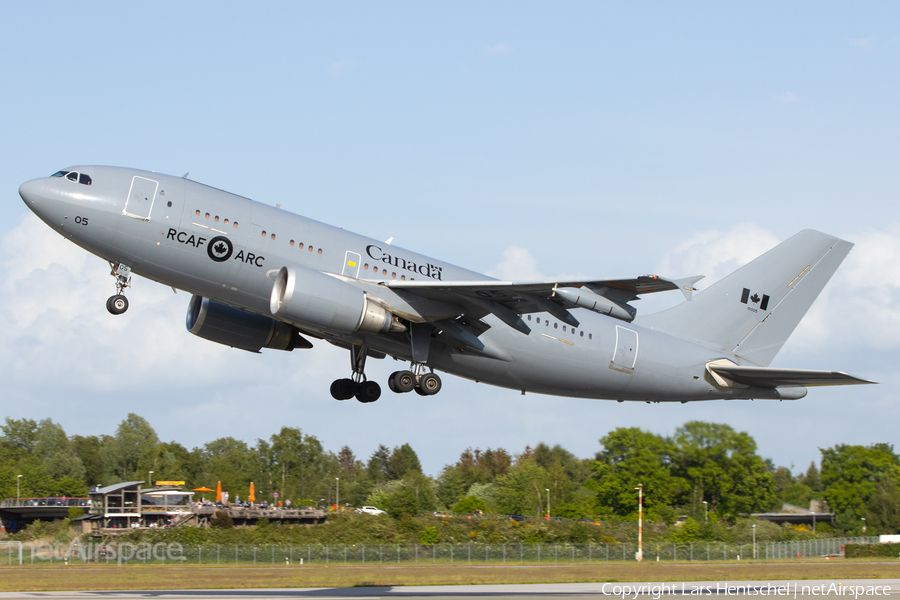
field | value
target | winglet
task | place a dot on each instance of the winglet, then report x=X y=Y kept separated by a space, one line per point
x=686 y=285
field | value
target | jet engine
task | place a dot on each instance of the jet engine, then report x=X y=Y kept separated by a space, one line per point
x=224 y=324
x=321 y=302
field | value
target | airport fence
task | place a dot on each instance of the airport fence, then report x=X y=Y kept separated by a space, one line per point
x=123 y=553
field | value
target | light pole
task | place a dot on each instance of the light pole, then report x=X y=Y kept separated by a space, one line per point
x=754 y=540
x=18 y=479
x=705 y=512
x=337 y=493
x=548 y=502
x=640 y=553
x=150 y=478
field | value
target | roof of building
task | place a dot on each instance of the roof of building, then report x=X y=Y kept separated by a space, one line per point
x=115 y=487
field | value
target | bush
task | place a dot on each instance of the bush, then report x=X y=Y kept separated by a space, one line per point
x=870 y=550
x=221 y=520
x=429 y=536
x=469 y=505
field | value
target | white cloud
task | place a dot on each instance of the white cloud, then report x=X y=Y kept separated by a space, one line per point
x=517 y=265
x=715 y=253
x=498 y=49
x=865 y=44
x=860 y=307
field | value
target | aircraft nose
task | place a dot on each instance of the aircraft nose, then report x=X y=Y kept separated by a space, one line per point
x=31 y=192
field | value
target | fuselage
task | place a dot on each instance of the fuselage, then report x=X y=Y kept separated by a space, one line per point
x=228 y=248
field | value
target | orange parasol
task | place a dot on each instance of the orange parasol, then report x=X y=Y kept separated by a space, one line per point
x=219 y=491
x=252 y=497
x=202 y=489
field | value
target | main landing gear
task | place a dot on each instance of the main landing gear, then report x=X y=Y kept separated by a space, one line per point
x=424 y=383
x=118 y=304
x=364 y=391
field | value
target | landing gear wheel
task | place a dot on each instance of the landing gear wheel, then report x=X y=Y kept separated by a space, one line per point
x=420 y=392
x=429 y=384
x=343 y=389
x=404 y=381
x=368 y=391
x=117 y=304
x=391 y=384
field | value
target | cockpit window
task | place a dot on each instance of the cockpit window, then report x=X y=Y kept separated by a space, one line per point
x=74 y=176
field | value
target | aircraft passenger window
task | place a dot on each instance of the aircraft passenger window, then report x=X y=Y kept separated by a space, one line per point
x=310 y=248
x=529 y=317
x=226 y=222
x=292 y=242
x=393 y=276
x=402 y=277
x=582 y=334
x=556 y=326
x=73 y=176
x=538 y=319
x=264 y=233
x=169 y=204
x=216 y=219
x=564 y=327
x=60 y=174
x=196 y=213
x=84 y=179
x=235 y=224
x=273 y=236
x=207 y=215
x=300 y=245
x=384 y=271
x=590 y=336
x=320 y=251
x=366 y=266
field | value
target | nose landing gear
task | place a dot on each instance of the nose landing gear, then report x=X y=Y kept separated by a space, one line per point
x=118 y=304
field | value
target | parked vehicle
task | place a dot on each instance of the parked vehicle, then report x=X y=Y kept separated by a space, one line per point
x=369 y=510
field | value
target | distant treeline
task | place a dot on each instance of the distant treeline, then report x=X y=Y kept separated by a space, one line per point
x=706 y=471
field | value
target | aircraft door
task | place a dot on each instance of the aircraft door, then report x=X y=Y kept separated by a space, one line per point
x=140 y=198
x=625 y=355
x=351 y=265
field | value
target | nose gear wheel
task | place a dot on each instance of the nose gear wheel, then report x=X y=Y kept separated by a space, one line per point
x=118 y=304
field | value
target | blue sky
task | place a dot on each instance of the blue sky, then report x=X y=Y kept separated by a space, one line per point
x=581 y=139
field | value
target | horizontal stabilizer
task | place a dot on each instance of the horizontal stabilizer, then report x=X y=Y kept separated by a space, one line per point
x=766 y=377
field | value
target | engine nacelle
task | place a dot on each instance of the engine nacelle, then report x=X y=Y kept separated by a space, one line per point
x=224 y=324
x=312 y=299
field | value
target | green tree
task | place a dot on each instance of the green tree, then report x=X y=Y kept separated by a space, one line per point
x=403 y=460
x=631 y=458
x=90 y=450
x=469 y=505
x=723 y=469
x=521 y=490
x=56 y=451
x=862 y=482
x=132 y=450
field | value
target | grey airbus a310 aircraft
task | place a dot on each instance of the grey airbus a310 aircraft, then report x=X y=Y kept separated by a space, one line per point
x=262 y=277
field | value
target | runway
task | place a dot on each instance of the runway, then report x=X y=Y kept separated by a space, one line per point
x=853 y=588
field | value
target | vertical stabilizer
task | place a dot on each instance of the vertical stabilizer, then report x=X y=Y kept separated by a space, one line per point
x=753 y=311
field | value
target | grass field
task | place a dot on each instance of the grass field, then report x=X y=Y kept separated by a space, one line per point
x=139 y=577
